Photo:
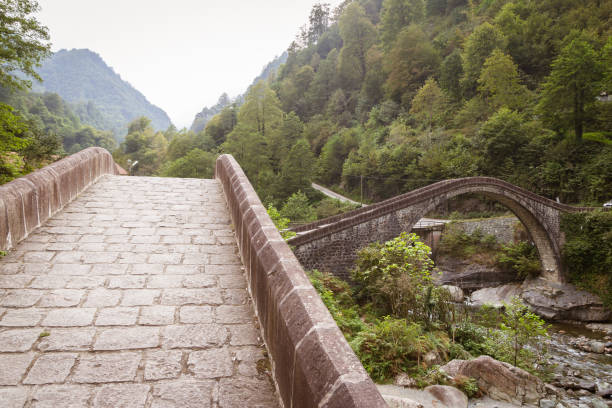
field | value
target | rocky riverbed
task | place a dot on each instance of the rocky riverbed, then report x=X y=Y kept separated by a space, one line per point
x=581 y=377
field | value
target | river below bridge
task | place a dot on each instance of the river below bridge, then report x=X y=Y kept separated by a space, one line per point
x=579 y=372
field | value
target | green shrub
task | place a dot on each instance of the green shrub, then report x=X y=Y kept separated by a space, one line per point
x=338 y=298
x=392 y=346
x=587 y=253
x=468 y=385
x=281 y=223
x=396 y=278
x=521 y=258
x=459 y=244
x=298 y=209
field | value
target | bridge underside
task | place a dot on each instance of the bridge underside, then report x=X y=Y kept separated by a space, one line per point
x=333 y=247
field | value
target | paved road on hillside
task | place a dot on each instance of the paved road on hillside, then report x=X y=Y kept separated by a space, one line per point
x=132 y=296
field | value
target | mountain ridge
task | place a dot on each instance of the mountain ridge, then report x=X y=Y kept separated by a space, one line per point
x=97 y=93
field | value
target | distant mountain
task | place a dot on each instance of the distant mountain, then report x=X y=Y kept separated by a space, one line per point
x=96 y=93
x=202 y=118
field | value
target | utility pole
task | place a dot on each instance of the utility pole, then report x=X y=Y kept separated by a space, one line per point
x=361 y=189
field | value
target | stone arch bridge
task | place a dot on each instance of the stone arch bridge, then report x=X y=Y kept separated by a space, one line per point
x=331 y=244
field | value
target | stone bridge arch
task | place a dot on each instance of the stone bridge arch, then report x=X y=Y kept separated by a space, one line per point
x=331 y=244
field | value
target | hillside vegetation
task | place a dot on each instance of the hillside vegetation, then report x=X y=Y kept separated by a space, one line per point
x=402 y=93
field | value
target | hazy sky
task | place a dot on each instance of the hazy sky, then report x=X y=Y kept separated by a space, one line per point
x=180 y=54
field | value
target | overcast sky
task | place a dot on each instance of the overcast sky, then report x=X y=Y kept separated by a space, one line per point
x=180 y=54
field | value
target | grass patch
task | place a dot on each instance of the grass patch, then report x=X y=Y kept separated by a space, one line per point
x=600 y=137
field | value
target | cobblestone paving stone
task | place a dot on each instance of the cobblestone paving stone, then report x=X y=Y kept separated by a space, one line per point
x=132 y=296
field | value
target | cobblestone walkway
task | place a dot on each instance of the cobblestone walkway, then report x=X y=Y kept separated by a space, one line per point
x=132 y=296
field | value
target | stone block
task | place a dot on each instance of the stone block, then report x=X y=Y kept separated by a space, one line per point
x=64 y=396
x=194 y=336
x=18 y=340
x=79 y=339
x=211 y=363
x=69 y=317
x=51 y=368
x=127 y=338
x=14 y=367
x=122 y=395
x=117 y=316
x=162 y=364
x=107 y=367
x=156 y=315
x=183 y=394
x=14 y=397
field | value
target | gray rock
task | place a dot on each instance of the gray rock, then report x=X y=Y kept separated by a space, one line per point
x=556 y=301
x=404 y=380
x=495 y=296
x=399 y=402
x=451 y=397
x=455 y=292
x=602 y=327
x=597 y=403
x=597 y=347
x=499 y=380
x=546 y=403
x=603 y=389
x=431 y=359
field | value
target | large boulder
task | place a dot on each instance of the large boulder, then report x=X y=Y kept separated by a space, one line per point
x=450 y=397
x=499 y=380
x=495 y=296
x=558 y=301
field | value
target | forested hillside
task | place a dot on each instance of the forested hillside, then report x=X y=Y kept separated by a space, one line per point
x=96 y=93
x=407 y=92
x=403 y=93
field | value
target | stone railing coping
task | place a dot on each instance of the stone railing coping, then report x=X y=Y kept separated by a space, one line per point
x=312 y=363
x=27 y=202
x=340 y=222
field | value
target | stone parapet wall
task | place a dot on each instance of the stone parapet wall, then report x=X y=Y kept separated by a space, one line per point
x=27 y=202
x=312 y=363
x=502 y=228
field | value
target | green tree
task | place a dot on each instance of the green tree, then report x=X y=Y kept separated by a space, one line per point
x=298 y=168
x=429 y=104
x=503 y=136
x=297 y=208
x=261 y=110
x=500 y=82
x=372 y=91
x=478 y=47
x=195 y=164
x=451 y=72
x=318 y=22
x=250 y=149
x=572 y=85
x=396 y=15
x=411 y=61
x=522 y=328
x=281 y=223
x=358 y=35
x=23 y=42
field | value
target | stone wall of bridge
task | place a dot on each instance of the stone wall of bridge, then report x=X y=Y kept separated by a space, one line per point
x=27 y=202
x=312 y=363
